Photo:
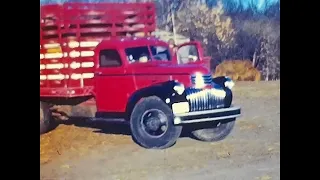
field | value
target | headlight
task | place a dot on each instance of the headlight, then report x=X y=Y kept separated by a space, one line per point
x=179 y=88
x=199 y=81
x=229 y=83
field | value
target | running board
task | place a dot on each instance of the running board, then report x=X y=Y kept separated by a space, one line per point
x=110 y=120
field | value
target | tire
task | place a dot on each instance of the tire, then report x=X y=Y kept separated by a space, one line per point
x=46 y=119
x=216 y=133
x=158 y=111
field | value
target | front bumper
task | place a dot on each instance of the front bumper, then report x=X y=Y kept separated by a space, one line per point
x=207 y=115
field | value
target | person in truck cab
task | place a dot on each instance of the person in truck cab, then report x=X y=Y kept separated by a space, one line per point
x=143 y=58
x=137 y=54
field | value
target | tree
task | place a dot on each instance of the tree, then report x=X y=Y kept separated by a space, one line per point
x=209 y=25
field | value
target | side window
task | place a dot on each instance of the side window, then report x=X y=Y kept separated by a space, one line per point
x=109 y=58
x=187 y=53
x=160 y=53
x=138 y=54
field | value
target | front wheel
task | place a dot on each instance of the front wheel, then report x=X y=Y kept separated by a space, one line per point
x=152 y=125
x=219 y=131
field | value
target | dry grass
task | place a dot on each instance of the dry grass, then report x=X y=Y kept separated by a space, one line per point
x=247 y=125
x=238 y=70
x=77 y=141
x=254 y=142
x=262 y=89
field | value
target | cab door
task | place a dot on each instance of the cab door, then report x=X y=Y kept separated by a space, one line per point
x=149 y=72
x=192 y=53
x=111 y=83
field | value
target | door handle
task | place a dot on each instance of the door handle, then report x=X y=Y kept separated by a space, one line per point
x=98 y=73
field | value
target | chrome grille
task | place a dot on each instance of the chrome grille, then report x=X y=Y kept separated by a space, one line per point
x=207 y=79
x=200 y=100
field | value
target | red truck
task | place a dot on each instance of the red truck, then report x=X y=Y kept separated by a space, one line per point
x=93 y=64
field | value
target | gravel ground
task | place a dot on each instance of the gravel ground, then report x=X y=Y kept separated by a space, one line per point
x=106 y=151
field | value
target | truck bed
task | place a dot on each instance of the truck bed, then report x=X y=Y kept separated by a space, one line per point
x=69 y=34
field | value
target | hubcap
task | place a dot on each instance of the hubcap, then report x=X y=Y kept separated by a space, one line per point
x=154 y=122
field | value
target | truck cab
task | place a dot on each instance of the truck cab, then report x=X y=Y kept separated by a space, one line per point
x=134 y=72
x=135 y=64
x=139 y=80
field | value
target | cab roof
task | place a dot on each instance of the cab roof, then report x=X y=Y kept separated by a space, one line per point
x=127 y=42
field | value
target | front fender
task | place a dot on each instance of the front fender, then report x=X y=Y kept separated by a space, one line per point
x=223 y=82
x=220 y=82
x=163 y=90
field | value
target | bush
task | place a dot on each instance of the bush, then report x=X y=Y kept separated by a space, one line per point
x=238 y=70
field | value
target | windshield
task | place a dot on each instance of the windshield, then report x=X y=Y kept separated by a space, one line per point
x=142 y=54
x=160 y=53
x=138 y=54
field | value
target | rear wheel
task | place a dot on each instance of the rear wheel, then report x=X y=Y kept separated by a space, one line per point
x=46 y=120
x=219 y=131
x=152 y=125
x=51 y=115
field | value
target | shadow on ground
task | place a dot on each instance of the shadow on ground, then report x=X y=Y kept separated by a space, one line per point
x=104 y=127
x=116 y=128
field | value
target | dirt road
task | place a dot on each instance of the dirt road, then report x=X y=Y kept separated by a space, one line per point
x=106 y=151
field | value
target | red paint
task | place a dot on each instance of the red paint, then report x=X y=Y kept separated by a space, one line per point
x=114 y=85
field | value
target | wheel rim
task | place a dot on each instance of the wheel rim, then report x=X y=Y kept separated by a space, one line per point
x=154 y=122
